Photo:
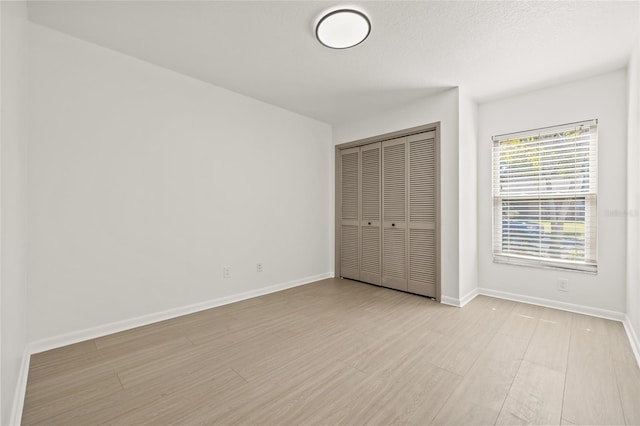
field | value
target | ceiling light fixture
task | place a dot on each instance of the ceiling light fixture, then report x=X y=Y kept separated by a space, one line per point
x=343 y=28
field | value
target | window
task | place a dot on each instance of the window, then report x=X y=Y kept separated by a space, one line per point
x=545 y=197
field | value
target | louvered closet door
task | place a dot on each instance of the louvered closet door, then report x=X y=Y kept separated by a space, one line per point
x=370 y=230
x=394 y=217
x=422 y=184
x=350 y=214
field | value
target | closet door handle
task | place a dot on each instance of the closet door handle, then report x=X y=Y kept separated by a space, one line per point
x=369 y=223
x=393 y=224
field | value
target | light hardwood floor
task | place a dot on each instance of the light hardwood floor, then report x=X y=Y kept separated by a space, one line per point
x=342 y=352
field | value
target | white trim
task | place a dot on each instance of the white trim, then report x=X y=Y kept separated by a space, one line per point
x=459 y=303
x=452 y=301
x=633 y=338
x=115 y=327
x=21 y=389
x=469 y=297
x=564 y=306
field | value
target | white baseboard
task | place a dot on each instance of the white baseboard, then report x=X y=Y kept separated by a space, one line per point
x=21 y=389
x=468 y=297
x=452 y=301
x=564 y=306
x=633 y=338
x=115 y=327
x=459 y=303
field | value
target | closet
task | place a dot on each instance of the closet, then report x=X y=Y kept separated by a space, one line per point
x=387 y=212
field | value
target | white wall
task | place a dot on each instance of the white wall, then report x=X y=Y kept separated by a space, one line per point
x=13 y=290
x=468 y=195
x=442 y=107
x=633 y=193
x=602 y=97
x=144 y=183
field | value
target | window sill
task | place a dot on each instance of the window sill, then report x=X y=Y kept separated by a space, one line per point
x=546 y=264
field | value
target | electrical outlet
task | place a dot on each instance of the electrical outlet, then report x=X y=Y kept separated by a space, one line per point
x=259 y=267
x=226 y=272
x=563 y=284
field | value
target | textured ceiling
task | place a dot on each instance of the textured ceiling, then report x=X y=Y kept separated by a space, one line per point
x=267 y=49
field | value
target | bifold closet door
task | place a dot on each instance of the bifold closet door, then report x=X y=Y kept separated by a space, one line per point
x=422 y=182
x=370 y=231
x=388 y=206
x=350 y=214
x=394 y=215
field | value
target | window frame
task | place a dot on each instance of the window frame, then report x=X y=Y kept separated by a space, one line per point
x=590 y=263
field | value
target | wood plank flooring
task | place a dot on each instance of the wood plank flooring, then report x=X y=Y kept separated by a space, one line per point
x=342 y=352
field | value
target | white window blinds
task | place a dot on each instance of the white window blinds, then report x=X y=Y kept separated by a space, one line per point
x=545 y=197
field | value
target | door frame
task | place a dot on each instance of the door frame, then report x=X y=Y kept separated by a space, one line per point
x=338 y=188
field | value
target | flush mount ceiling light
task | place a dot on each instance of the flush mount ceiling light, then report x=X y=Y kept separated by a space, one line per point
x=343 y=28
